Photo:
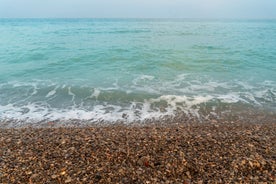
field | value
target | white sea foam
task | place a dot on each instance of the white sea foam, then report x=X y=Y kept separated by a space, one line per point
x=106 y=112
x=230 y=98
x=70 y=93
x=146 y=77
x=142 y=78
x=52 y=92
x=145 y=98
x=96 y=93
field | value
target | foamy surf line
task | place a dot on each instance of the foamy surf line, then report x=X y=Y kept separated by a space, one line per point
x=178 y=118
x=145 y=99
x=167 y=108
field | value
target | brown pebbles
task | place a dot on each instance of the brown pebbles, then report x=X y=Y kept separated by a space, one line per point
x=183 y=153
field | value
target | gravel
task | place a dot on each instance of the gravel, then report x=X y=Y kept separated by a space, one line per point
x=181 y=152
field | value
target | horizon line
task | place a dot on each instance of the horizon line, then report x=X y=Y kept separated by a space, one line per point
x=202 y=18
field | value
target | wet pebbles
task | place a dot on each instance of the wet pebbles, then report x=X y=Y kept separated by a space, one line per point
x=212 y=152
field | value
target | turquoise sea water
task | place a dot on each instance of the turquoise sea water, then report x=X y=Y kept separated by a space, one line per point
x=134 y=69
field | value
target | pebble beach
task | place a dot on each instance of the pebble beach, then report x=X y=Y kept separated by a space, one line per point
x=175 y=152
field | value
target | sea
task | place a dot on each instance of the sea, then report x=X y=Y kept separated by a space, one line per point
x=134 y=70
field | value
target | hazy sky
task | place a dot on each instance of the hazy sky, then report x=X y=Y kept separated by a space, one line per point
x=138 y=8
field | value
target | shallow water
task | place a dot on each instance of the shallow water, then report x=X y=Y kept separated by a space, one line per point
x=134 y=69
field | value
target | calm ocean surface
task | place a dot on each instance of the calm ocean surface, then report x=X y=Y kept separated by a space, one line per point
x=134 y=69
